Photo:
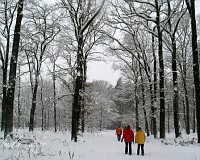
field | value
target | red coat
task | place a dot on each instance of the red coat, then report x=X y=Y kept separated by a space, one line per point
x=128 y=135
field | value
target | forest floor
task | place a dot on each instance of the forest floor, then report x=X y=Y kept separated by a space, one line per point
x=103 y=145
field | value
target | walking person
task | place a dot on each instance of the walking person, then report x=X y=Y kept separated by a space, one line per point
x=119 y=133
x=140 y=138
x=128 y=137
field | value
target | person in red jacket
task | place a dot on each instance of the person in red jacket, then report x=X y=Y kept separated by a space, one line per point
x=128 y=137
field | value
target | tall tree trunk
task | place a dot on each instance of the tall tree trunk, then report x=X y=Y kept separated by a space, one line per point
x=161 y=72
x=54 y=95
x=153 y=109
x=143 y=104
x=185 y=89
x=136 y=108
x=77 y=100
x=5 y=74
x=191 y=8
x=19 y=101
x=12 y=75
x=175 y=91
x=41 y=99
x=194 y=112
x=174 y=72
x=33 y=107
x=187 y=106
x=186 y=100
x=4 y=100
x=175 y=94
x=83 y=104
x=76 y=107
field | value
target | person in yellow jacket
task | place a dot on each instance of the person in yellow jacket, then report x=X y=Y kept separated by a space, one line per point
x=140 y=138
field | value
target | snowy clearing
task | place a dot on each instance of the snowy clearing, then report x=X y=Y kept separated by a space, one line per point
x=96 y=146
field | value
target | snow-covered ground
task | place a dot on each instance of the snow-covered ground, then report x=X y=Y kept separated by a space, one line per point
x=96 y=146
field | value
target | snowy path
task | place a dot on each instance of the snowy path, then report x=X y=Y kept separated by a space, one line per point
x=108 y=148
x=97 y=146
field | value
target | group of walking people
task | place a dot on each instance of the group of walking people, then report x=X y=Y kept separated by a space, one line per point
x=127 y=135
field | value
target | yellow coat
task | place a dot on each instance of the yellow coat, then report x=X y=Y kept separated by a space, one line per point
x=140 y=137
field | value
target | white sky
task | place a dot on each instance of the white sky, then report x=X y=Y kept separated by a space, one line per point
x=102 y=71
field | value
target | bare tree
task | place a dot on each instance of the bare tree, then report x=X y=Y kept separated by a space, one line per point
x=184 y=67
x=82 y=18
x=12 y=75
x=174 y=15
x=53 y=57
x=41 y=27
x=151 y=12
x=8 y=9
x=191 y=8
x=133 y=45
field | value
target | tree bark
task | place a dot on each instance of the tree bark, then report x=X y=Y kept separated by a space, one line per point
x=83 y=104
x=144 y=103
x=32 y=113
x=41 y=98
x=5 y=70
x=187 y=106
x=175 y=94
x=174 y=73
x=191 y=8
x=77 y=99
x=12 y=75
x=161 y=72
x=76 y=106
x=154 y=92
x=54 y=95
x=19 y=101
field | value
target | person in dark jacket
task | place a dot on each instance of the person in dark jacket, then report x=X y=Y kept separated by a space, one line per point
x=128 y=137
x=140 y=138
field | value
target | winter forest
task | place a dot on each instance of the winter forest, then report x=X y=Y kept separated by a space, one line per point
x=45 y=49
